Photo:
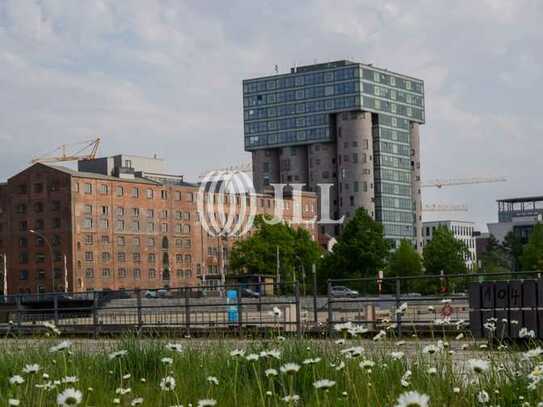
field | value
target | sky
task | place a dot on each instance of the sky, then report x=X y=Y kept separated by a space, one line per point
x=164 y=77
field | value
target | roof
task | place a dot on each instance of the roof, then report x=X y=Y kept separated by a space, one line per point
x=92 y=175
x=525 y=199
x=467 y=222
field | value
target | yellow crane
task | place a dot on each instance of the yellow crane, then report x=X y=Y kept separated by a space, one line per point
x=71 y=152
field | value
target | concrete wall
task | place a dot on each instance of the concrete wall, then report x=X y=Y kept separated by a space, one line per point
x=355 y=162
x=265 y=168
x=293 y=165
x=415 y=182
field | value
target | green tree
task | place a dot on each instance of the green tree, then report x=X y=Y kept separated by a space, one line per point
x=496 y=258
x=532 y=255
x=513 y=244
x=444 y=254
x=360 y=251
x=257 y=254
x=404 y=261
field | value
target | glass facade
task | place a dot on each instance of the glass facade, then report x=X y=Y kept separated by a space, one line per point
x=295 y=108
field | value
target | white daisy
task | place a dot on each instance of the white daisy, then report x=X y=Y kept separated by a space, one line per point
x=478 y=365
x=14 y=402
x=167 y=383
x=412 y=399
x=270 y=372
x=311 y=361
x=252 y=357
x=136 y=401
x=167 y=361
x=176 y=347
x=483 y=397
x=324 y=384
x=291 y=398
x=289 y=368
x=213 y=380
x=207 y=403
x=121 y=391
x=367 y=364
x=237 y=353
x=30 y=369
x=69 y=397
x=118 y=354
x=60 y=347
x=16 y=379
x=397 y=355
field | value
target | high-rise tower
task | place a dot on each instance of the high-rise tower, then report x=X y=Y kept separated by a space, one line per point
x=345 y=123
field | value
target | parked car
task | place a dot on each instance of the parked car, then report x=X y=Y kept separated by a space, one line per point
x=163 y=293
x=249 y=293
x=150 y=294
x=340 y=291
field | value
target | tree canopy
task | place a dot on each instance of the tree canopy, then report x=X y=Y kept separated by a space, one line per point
x=405 y=261
x=496 y=258
x=360 y=250
x=444 y=253
x=532 y=254
x=257 y=254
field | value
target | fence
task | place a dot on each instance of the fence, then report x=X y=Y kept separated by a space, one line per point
x=232 y=309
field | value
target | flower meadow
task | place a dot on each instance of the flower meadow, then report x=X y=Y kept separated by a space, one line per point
x=352 y=370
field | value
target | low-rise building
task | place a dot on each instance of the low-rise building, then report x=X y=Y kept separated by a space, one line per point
x=462 y=231
x=117 y=223
x=517 y=215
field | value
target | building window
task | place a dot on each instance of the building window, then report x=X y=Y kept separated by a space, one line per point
x=151 y=242
x=121 y=257
x=152 y=274
x=136 y=257
x=56 y=223
x=23 y=275
x=88 y=256
x=135 y=192
x=122 y=273
x=88 y=239
x=105 y=239
x=119 y=191
x=149 y=193
x=188 y=244
x=89 y=273
x=136 y=212
x=104 y=189
x=104 y=224
x=177 y=196
x=137 y=274
x=164 y=228
x=120 y=240
x=87 y=209
x=120 y=226
x=106 y=256
x=87 y=223
x=149 y=213
x=135 y=227
x=106 y=273
x=151 y=258
x=164 y=194
x=120 y=211
x=87 y=188
x=104 y=210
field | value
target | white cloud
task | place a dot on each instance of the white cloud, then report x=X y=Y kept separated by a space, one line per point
x=163 y=76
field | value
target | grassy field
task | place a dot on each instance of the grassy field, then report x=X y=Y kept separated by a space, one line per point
x=272 y=373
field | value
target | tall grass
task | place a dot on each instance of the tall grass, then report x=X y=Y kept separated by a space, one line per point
x=244 y=383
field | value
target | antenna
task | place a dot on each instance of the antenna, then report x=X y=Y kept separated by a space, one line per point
x=276 y=68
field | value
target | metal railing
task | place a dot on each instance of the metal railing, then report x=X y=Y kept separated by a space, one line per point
x=232 y=309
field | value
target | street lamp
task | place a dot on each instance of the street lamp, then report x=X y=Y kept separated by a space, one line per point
x=51 y=252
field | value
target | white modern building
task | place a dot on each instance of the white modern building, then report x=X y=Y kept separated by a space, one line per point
x=461 y=230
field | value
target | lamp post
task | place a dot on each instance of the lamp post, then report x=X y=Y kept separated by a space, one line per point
x=51 y=253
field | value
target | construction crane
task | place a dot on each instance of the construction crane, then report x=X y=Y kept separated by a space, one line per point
x=440 y=183
x=445 y=208
x=71 y=152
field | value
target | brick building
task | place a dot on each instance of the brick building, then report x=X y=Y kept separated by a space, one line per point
x=120 y=224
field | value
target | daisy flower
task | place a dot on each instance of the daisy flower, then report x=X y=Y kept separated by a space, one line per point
x=69 y=397
x=60 y=347
x=412 y=399
x=289 y=368
x=207 y=403
x=118 y=354
x=167 y=383
x=213 y=380
x=324 y=384
x=16 y=379
x=478 y=365
x=30 y=369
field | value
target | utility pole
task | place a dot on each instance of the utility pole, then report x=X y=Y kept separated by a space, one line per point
x=315 y=313
x=5 y=258
x=278 y=275
x=66 y=276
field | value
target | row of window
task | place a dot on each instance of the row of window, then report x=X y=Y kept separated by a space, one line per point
x=289 y=123
x=136 y=257
x=39 y=224
x=136 y=274
x=307 y=79
x=301 y=94
x=135 y=212
x=342 y=74
x=398 y=230
x=133 y=192
x=134 y=226
x=392 y=94
x=38 y=207
x=38 y=188
x=286 y=137
x=39 y=258
x=136 y=241
x=394 y=108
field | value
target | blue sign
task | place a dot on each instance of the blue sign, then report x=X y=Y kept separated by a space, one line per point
x=232 y=300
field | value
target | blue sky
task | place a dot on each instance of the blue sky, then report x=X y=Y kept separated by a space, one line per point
x=164 y=77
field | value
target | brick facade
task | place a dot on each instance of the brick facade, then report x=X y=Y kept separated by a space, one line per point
x=111 y=233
